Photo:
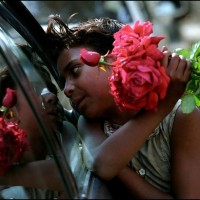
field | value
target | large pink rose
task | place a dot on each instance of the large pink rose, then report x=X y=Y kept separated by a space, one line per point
x=138 y=80
x=143 y=29
x=140 y=87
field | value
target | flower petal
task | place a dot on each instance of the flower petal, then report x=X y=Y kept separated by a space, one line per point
x=90 y=58
x=10 y=98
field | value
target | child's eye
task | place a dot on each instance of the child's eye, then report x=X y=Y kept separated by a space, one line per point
x=74 y=69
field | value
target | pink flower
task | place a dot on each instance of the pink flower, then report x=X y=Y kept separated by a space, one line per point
x=10 y=98
x=93 y=59
x=138 y=88
x=90 y=58
x=13 y=142
x=138 y=80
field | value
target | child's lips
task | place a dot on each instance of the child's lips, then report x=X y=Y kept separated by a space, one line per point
x=52 y=112
x=76 y=102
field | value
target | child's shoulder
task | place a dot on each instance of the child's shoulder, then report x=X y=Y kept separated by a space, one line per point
x=166 y=125
x=186 y=123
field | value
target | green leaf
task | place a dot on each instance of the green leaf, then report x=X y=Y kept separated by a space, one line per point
x=191 y=97
x=182 y=52
x=188 y=103
x=195 y=51
x=194 y=76
x=192 y=86
x=197 y=101
x=197 y=92
x=195 y=67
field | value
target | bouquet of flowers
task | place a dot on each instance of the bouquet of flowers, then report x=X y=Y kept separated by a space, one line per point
x=191 y=96
x=138 y=80
x=13 y=140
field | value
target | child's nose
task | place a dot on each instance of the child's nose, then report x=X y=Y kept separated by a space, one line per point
x=48 y=97
x=68 y=90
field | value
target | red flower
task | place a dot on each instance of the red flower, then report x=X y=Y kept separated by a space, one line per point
x=10 y=98
x=13 y=142
x=138 y=80
x=140 y=87
x=90 y=58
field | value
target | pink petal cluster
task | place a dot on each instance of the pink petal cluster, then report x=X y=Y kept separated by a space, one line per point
x=90 y=58
x=138 y=80
x=13 y=142
x=10 y=98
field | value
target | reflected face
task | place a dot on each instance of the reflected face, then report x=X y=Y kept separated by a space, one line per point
x=48 y=107
x=86 y=86
x=24 y=114
x=53 y=107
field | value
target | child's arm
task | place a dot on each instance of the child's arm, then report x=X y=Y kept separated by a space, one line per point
x=111 y=155
x=43 y=174
x=185 y=163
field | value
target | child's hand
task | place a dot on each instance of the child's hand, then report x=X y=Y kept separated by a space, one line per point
x=178 y=69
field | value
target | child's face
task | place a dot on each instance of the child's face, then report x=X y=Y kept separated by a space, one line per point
x=53 y=108
x=25 y=116
x=86 y=86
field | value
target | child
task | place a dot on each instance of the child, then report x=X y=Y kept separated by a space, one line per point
x=153 y=154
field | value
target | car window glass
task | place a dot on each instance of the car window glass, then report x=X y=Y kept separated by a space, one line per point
x=27 y=79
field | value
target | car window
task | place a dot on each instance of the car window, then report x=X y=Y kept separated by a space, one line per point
x=31 y=115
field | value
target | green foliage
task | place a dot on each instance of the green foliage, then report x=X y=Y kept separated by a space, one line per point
x=188 y=103
x=191 y=96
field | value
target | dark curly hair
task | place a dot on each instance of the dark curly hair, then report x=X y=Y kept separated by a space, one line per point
x=96 y=34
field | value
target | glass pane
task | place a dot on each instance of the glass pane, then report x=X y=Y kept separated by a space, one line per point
x=38 y=112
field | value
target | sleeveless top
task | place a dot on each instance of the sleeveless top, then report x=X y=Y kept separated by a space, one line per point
x=152 y=161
